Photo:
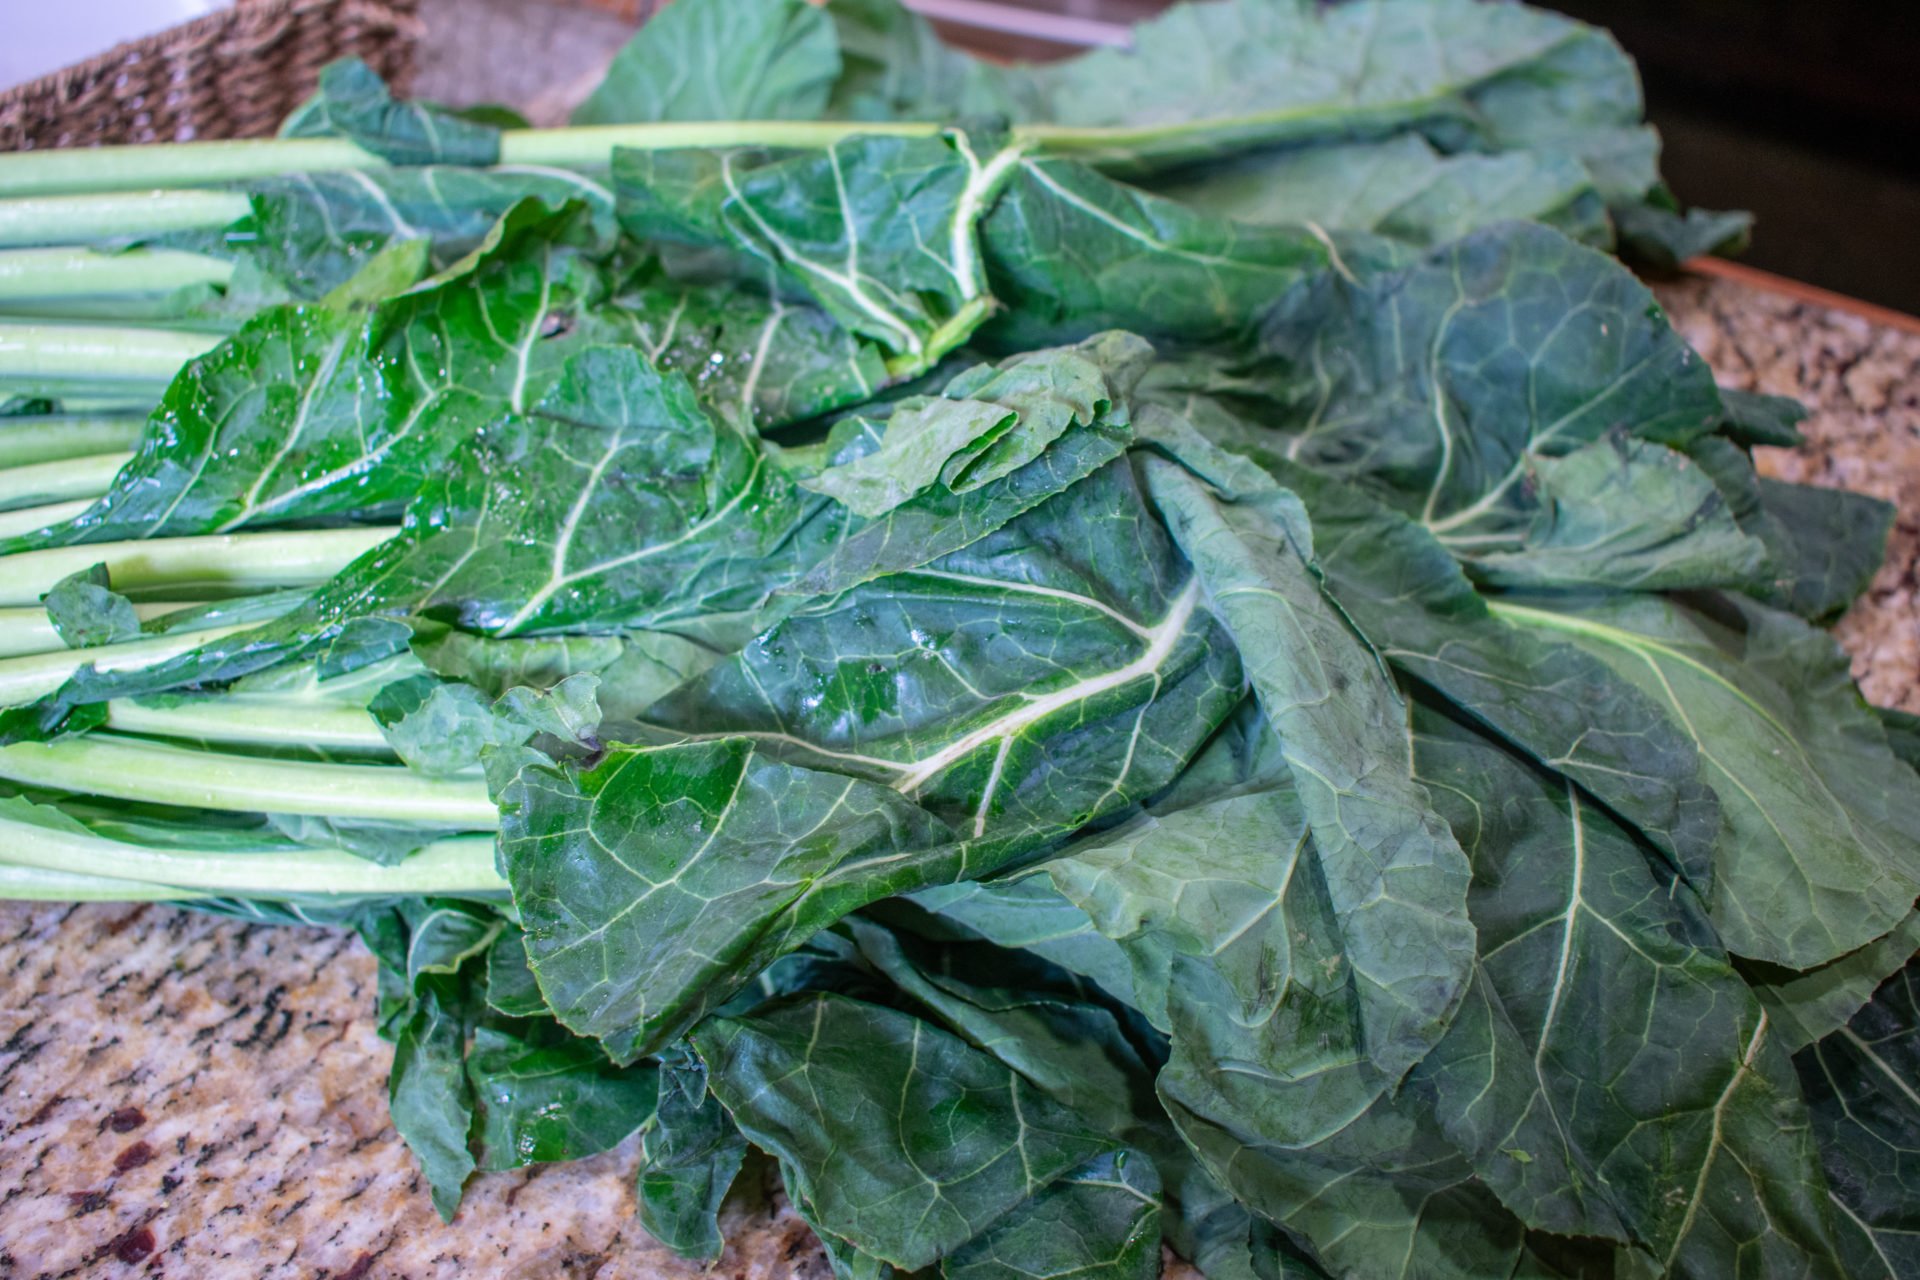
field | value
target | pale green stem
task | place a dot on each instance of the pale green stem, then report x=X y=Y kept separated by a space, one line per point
x=33 y=676
x=463 y=866
x=26 y=442
x=34 y=519
x=87 y=477
x=38 y=884
x=39 y=274
x=253 y=718
x=123 y=215
x=201 y=164
x=61 y=355
x=28 y=630
x=160 y=773
x=233 y=563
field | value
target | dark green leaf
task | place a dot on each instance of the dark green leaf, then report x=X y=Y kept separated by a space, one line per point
x=690 y=1153
x=897 y=1137
x=1395 y=876
x=1816 y=857
x=1866 y=1113
x=711 y=60
x=440 y=727
x=1757 y=419
x=1101 y=1222
x=653 y=884
x=86 y=611
x=544 y=1100
x=427 y=1090
x=1401 y=188
x=353 y=103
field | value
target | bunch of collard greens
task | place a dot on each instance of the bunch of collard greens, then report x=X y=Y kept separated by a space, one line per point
x=1187 y=658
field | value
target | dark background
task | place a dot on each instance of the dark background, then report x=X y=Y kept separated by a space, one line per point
x=1807 y=112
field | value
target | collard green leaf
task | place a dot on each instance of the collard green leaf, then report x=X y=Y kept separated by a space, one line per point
x=987 y=423
x=1661 y=237
x=1866 y=1113
x=899 y=1138
x=85 y=610
x=427 y=1090
x=1101 y=1222
x=764 y=361
x=634 y=669
x=1626 y=515
x=881 y=231
x=441 y=727
x=690 y=1153
x=551 y=1098
x=312 y=234
x=352 y=102
x=1401 y=188
x=1072 y=253
x=308 y=412
x=511 y=987
x=1754 y=418
x=1601 y=1061
x=894 y=66
x=1395 y=877
x=1831 y=544
x=1438 y=384
x=1562 y=707
x=1050 y=673
x=569 y=711
x=709 y=60
x=656 y=882
x=1465 y=76
x=1029 y=914
x=1816 y=857
x=1812 y=1004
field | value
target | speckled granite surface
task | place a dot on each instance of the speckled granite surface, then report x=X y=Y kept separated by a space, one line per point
x=188 y=1097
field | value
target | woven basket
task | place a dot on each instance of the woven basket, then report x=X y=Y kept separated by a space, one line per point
x=232 y=74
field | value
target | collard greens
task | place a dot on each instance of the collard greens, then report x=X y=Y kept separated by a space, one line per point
x=1160 y=647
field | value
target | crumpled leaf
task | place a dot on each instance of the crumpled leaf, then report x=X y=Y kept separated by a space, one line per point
x=896 y=1137
x=690 y=1153
x=1626 y=515
x=986 y=424
x=86 y=611
x=545 y=1098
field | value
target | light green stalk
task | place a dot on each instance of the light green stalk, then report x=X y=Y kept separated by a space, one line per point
x=86 y=477
x=224 y=563
x=124 y=215
x=28 y=630
x=34 y=519
x=259 y=719
x=458 y=867
x=43 y=274
x=206 y=164
x=26 y=442
x=160 y=773
x=38 y=884
x=46 y=359
x=34 y=675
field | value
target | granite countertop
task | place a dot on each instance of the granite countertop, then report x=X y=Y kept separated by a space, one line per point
x=188 y=1096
